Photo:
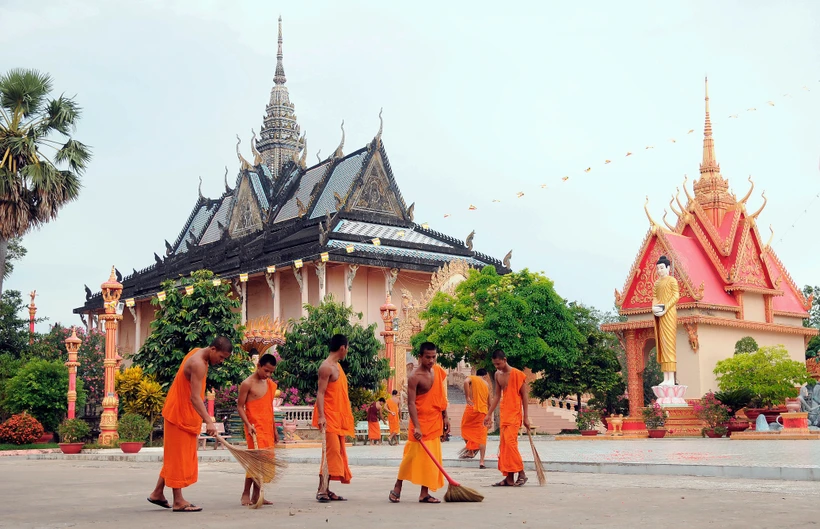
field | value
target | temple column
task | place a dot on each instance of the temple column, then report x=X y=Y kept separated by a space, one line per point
x=72 y=345
x=272 y=278
x=388 y=311
x=350 y=275
x=137 y=321
x=111 y=291
x=302 y=279
x=277 y=298
x=321 y=269
x=634 y=375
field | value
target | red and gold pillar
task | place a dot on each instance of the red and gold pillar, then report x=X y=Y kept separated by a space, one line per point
x=32 y=310
x=72 y=344
x=388 y=311
x=111 y=291
x=634 y=369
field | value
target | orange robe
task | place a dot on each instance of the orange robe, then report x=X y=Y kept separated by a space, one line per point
x=416 y=465
x=260 y=415
x=339 y=419
x=472 y=422
x=393 y=419
x=509 y=458
x=183 y=425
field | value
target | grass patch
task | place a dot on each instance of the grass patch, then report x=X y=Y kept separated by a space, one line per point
x=28 y=447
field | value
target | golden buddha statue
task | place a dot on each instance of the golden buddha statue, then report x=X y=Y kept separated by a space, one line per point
x=664 y=308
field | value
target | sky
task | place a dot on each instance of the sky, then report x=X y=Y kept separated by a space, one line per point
x=481 y=101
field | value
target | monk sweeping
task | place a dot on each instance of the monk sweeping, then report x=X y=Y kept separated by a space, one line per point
x=472 y=422
x=427 y=404
x=184 y=412
x=255 y=407
x=513 y=394
x=333 y=414
x=393 y=418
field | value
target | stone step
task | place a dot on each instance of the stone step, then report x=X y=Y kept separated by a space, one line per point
x=547 y=419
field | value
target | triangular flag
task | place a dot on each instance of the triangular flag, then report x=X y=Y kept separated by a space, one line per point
x=376 y=242
x=298 y=263
x=243 y=278
x=349 y=248
x=161 y=295
x=690 y=131
x=588 y=169
x=472 y=208
x=519 y=194
x=607 y=161
x=189 y=290
x=565 y=178
x=217 y=282
x=271 y=270
x=629 y=153
x=325 y=257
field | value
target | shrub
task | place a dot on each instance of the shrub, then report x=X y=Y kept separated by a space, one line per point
x=735 y=399
x=40 y=388
x=587 y=419
x=768 y=373
x=654 y=416
x=21 y=429
x=73 y=430
x=711 y=411
x=133 y=428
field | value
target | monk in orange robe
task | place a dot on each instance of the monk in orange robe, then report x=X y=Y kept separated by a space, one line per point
x=472 y=422
x=374 y=427
x=427 y=404
x=184 y=412
x=255 y=407
x=393 y=417
x=333 y=414
x=513 y=393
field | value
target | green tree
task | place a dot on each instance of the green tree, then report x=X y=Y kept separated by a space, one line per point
x=40 y=163
x=813 y=348
x=596 y=370
x=814 y=312
x=519 y=313
x=306 y=346
x=14 y=332
x=40 y=387
x=747 y=344
x=184 y=322
x=16 y=252
x=769 y=373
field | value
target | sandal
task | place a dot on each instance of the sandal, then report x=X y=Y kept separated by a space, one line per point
x=503 y=483
x=162 y=503
x=189 y=508
x=335 y=497
x=322 y=497
x=429 y=499
x=394 y=498
x=482 y=467
x=521 y=480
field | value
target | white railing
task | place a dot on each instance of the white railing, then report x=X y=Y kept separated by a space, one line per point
x=301 y=415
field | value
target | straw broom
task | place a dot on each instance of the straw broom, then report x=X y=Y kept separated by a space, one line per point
x=539 y=466
x=260 y=464
x=455 y=492
x=325 y=470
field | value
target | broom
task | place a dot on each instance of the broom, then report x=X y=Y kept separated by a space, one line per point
x=325 y=470
x=260 y=464
x=455 y=492
x=539 y=466
x=466 y=454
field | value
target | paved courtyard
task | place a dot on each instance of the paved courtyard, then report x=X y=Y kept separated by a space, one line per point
x=46 y=494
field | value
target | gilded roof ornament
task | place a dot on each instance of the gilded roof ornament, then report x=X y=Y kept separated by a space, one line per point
x=410 y=211
x=257 y=158
x=381 y=128
x=665 y=213
x=771 y=238
x=672 y=207
x=303 y=159
x=243 y=163
x=506 y=260
x=339 y=150
x=646 y=210
x=227 y=187
x=744 y=199
x=279 y=78
x=469 y=240
x=318 y=157
x=302 y=207
x=199 y=189
x=756 y=213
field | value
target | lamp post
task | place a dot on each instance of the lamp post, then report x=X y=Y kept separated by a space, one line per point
x=72 y=344
x=388 y=311
x=32 y=310
x=111 y=291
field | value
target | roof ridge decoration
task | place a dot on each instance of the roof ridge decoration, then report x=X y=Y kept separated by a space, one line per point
x=199 y=203
x=257 y=158
x=243 y=163
x=339 y=152
x=228 y=189
x=279 y=77
x=806 y=301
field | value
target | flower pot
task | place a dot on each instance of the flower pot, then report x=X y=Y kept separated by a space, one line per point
x=712 y=435
x=589 y=433
x=71 y=448
x=737 y=425
x=45 y=438
x=657 y=433
x=130 y=447
x=792 y=405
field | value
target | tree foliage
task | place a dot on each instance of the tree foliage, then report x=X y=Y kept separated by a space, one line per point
x=768 y=372
x=40 y=162
x=747 y=344
x=595 y=370
x=814 y=312
x=14 y=332
x=16 y=251
x=185 y=322
x=40 y=387
x=306 y=346
x=519 y=313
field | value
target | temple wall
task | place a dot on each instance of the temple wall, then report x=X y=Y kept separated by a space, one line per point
x=754 y=308
x=260 y=301
x=788 y=320
x=127 y=329
x=336 y=285
x=309 y=271
x=291 y=298
x=718 y=343
x=688 y=362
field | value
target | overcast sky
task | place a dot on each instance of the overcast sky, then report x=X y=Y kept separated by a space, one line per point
x=481 y=100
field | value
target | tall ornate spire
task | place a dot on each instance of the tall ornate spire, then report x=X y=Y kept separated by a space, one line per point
x=279 y=136
x=711 y=190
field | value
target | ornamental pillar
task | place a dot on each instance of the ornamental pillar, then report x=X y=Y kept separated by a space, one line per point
x=111 y=291
x=388 y=311
x=321 y=269
x=350 y=275
x=277 y=297
x=32 y=310
x=634 y=378
x=72 y=344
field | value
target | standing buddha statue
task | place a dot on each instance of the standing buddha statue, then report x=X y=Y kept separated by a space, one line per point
x=664 y=309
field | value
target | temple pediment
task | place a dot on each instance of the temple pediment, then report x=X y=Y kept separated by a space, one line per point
x=375 y=193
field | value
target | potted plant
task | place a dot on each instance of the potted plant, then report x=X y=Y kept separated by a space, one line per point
x=133 y=429
x=768 y=373
x=736 y=400
x=714 y=414
x=587 y=420
x=654 y=417
x=72 y=432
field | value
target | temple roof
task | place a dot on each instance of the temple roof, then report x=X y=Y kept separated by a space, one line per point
x=715 y=248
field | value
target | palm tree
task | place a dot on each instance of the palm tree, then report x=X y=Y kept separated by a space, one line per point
x=38 y=174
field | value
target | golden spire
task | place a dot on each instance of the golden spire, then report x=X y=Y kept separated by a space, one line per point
x=279 y=77
x=709 y=160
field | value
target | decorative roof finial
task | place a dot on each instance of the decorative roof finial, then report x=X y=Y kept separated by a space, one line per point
x=257 y=158
x=199 y=190
x=339 y=152
x=303 y=159
x=646 y=210
x=709 y=160
x=381 y=128
x=227 y=187
x=771 y=238
x=756 y=213
x=319 y=157
x=243 y=163
x=744 y=199
x=279 y=77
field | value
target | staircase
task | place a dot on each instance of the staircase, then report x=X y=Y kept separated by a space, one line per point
x=547 y=419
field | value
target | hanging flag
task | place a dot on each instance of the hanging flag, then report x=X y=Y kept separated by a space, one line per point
x=472 y=208
x=771 y=103
x=243 y=278
x=130 y=302
x=690 y=131
x=629 y=153
x=565 y=178
x=217 y=282
x=161 y=295
x=325 y=257
x=588 y=169
x=272 y=269
x=519 y=194
x=400 y=233
x=349 y=248
x=446 y=215
x=376 y=241
x=298 y=263
x=189 y=290
x=607 y=161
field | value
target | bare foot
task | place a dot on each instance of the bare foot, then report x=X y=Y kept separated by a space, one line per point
x=246 y=500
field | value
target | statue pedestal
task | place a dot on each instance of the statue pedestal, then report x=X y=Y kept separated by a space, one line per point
x=670 y=396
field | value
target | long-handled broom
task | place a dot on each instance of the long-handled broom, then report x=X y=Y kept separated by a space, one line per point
x=325 y=470
x=455 y=491
x=539 y=466
x=260 y=464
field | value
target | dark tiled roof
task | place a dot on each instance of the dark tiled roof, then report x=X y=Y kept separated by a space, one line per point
x=339 y=182
x=259 y=190
x=368 y=229
x=212 y=232
x=195 y=227
x=312 y=177
x=403 y=252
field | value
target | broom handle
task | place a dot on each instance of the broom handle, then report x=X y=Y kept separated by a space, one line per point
x=450 y=480
x=255 y=444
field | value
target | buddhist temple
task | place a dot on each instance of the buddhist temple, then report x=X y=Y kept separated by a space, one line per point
x=732 y=283
x=301 y=232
